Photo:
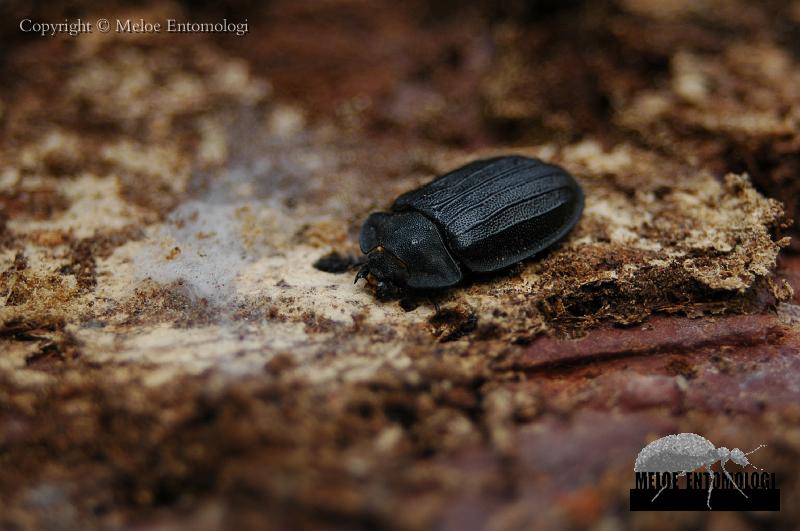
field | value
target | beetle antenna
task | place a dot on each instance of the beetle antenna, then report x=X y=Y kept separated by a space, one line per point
x=759 y=447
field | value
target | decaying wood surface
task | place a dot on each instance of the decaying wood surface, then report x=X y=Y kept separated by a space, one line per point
x=171 y=358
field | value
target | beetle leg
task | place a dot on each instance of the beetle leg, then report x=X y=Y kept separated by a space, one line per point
x=362 y=273
x=434 y=303
x=665 y=486
x=722 y=463
x=659 y=492
x=386 y=290
x=710 y=484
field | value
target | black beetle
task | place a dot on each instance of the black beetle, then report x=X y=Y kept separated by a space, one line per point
x=478 y=218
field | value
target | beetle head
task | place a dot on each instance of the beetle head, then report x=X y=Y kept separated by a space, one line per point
x=406 y=250
x=391 y=273
x=738 y=457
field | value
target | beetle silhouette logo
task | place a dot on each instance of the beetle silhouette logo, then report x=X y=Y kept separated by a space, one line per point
x=683 y=453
